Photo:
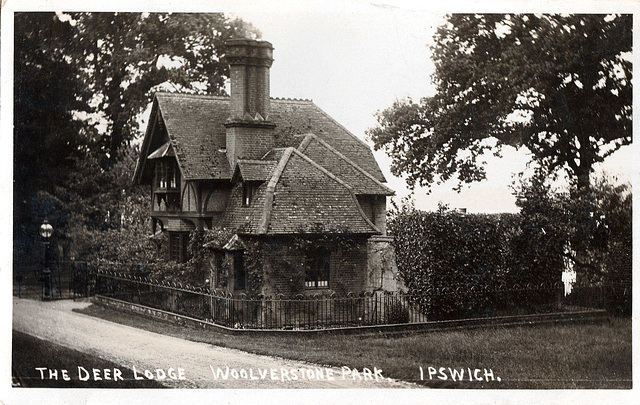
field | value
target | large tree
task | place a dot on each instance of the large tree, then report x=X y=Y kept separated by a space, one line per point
x=81 y=81
x=558 y=84
x=47 y=92
x=126 y=55
x=45 y=130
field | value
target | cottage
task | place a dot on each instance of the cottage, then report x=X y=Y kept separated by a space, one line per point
x=266 y=169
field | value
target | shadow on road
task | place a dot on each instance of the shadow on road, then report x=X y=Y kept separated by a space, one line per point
x=39 y=364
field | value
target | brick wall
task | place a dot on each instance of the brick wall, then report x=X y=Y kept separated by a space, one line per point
x=249 y=91
x=238 y=90
x=248 y=142
x=347 y=271
x=215 y=197
x=179 y=225
x=249 y=70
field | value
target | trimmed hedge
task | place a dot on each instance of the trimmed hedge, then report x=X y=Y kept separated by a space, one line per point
x=474 y=259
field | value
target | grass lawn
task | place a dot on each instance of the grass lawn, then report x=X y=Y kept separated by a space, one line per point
x=30 y=353
x=529 y=357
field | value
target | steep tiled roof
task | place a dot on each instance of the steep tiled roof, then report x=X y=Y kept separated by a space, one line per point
x=195 y=126
x=255 y=170
x=294 y=117
x=300 y=196
x=327 y=156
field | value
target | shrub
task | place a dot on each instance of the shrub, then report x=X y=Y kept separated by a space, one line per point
x=461 y=265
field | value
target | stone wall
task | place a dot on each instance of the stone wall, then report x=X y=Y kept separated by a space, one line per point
x=382 y=271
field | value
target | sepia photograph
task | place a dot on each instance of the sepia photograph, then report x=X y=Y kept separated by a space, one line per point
x=317 y=202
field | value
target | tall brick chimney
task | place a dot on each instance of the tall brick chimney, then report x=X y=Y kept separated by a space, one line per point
x=249 y=130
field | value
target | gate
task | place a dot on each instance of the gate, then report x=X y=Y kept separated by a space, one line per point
x=81 y=280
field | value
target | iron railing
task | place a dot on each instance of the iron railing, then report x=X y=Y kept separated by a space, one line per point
x=303 y=312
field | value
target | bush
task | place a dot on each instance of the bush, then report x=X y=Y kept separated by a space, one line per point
x=444 y=256
x=461 y=265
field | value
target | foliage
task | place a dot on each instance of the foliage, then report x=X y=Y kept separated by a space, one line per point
x=81 y=80
x=45 y=138
x=589 y=231
x=109 y=224
x=541 y=245
x=445 y=248
x=558 y=84
x=617 y=232
x=585 y=225
x=455 y=254
x=45 y=130
x=127 y=55
x=395 y=312
x=201 y=246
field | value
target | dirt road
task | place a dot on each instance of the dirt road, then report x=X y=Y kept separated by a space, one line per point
x=174 y=362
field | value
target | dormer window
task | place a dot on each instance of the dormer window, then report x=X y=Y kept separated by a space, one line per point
x=166 y=185
x=248 y=190
x=167 y=175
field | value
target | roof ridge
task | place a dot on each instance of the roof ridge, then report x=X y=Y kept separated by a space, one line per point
x=263 y=226
x=322 y=169
x=191 y=95
x=342 y=126
x=257 y=161
x=306 y=141
x=214 y=96
x=305 y=100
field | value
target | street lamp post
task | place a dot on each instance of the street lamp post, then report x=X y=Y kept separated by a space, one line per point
x=46 y=230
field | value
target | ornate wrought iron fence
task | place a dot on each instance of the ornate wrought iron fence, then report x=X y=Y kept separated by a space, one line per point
x=352 y=310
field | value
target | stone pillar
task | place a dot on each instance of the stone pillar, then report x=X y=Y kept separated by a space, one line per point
x=382 y=271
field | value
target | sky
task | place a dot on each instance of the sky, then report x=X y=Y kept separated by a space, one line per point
x=353 y=58
x=357 y=61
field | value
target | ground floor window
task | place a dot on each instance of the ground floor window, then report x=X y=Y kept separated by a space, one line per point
x=178 y=242
x=239 y=271
x=318 y=269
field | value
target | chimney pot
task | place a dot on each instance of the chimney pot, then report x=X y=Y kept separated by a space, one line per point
x=250 y=61
x=249 y=131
